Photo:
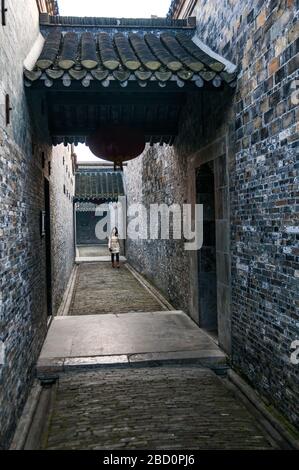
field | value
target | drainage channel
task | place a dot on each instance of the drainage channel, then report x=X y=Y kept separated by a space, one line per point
x=31 y=433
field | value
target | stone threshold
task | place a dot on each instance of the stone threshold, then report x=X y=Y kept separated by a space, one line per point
x=133 y=337
x=95 y=259
x=51 y=368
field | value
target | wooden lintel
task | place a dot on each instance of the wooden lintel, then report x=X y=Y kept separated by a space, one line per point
x=147 y=130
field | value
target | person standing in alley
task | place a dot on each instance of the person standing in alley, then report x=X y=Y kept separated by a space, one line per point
x=114 y=247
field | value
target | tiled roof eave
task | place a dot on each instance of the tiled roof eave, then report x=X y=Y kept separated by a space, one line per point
x=98 y=185
x=91 y=55
x=195 y=80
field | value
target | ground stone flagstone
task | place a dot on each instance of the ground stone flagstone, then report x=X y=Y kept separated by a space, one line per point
x=150 y=408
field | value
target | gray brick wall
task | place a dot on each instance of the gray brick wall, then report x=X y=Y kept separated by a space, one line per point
x=158 y=177
x=257 y=132
x=262 y=37
x=62 y=183
x=23 y=310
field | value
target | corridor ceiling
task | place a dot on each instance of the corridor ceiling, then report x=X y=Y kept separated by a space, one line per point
x=91 y=72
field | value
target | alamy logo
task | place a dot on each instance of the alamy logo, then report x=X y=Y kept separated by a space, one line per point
x=159 y=221
x=295 y=354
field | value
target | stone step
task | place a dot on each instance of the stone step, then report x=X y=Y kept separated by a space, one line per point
x=49 y=369
x=134 y=339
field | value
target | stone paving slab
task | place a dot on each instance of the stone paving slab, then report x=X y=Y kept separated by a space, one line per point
x=204 y=357
x=98 y=259
x=92 y=251
x=150 y=408
x=126 y=334
x=99 y=289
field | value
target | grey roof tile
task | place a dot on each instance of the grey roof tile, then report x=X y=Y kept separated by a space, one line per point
x=161 y=48
x=98 y=185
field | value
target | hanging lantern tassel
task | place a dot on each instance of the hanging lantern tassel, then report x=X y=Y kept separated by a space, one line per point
x=117 y=144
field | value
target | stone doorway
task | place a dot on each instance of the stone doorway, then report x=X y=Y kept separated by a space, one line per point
x=207 y=271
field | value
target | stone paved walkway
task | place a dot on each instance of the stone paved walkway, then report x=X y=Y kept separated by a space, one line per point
x=99 y=289
x=174 y=405
x=150 y=408
x=92 y=251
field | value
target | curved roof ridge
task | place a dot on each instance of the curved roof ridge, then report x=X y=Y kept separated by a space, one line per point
x=58 y=20
x=229 y=66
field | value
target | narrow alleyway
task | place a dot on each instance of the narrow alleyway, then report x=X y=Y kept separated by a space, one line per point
x=133 y=375
x=175 y=124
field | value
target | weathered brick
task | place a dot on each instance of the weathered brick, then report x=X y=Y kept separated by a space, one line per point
x=23 y=302
x=261 y=177
x=261 y=19
x=274 y=65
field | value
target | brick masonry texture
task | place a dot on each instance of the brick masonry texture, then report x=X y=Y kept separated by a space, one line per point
x=259 y=128
x=62 y=185
x=23 y=306
x=149 y=408
x=161 y=178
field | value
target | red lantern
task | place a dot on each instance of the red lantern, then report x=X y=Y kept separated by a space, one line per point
x=117 y=143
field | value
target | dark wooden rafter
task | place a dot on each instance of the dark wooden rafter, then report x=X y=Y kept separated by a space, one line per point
x=148 y=129
x=66 y=98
